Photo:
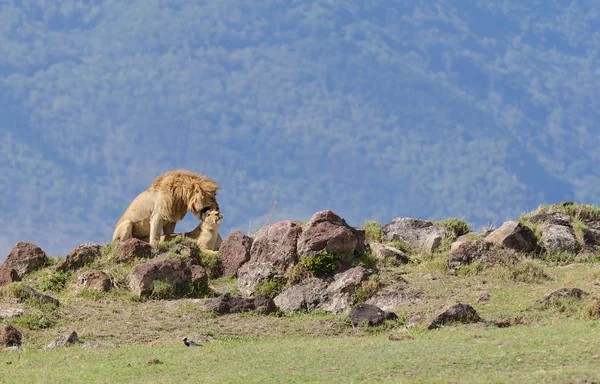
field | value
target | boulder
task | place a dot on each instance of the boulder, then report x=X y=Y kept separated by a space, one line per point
x=478 y=250
x=370 y=315
x=273 y=252
x=334 y=294
x=62 y=341
x=388 y=255
x=199 y=277
x=7 y=313
x=226 y=304
x=387 y=300
x=8 y=275
x=417 y=234
x=328 y=232
x=551 y=218
x=80 y=256
x=514 y=235
x=25 y=257
x=134 y=249
x=234 y=252
x=458 y=313
x=10 y=336
x=29 y=292
x=96 y=280
x=172 y=271
x=559 y=238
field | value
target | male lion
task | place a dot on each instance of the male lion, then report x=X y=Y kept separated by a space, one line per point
x=206 y=233
x=161 y=206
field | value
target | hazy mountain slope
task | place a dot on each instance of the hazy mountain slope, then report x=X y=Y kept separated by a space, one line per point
x=375 y=111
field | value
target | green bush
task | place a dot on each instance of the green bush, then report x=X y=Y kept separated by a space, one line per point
x=373 y=232
x=56 y=282
x=270 y=288
x=38 y=315
x=162 y=290
x=211 y=262
x=454 y=227
x=320 y=264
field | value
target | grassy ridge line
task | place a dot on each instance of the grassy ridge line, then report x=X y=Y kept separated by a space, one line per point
x=541 y=353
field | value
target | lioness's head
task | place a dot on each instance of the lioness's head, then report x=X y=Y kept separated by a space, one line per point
x=212 y=220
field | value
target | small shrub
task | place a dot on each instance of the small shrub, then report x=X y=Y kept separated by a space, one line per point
x=162 y=290
x=297 y=274
x=91 y=294
x=56 y=282
x=50 y=261
x=12 y=291
x=367 y=289
x=373 y=232
x=399 y=246
x=454 y=227
x=320 y=264
x=528 y=271
x=210 y=261
x=110 y=252
x=562 y=257
x=592 y=310
x=270 y=288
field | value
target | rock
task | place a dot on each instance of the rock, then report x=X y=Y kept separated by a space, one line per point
x=134 y=249
x=97 y=344
x=8 y=275
x=328 y=232
x=369 y=314
x=78 y=257
x=226 y=304
x=96 y=280
x=458 y=313
x=10 y=336
x=514 y=235
x=339 y=295
x=559 y=238
x=552 y=218
x=478 y=250
x=62 y=340
x=172 y=271
x=273 y=252
x=562 y=293
x=25 y=257
x=418 y=234
x=388 y=255
x=484 y=297
x=234 y=252
x=30 y=292
x=199 y=277
x=334 y=294
x=191 y=254
x=7 y=313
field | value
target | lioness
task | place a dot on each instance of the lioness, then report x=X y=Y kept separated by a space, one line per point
x=161 y=206
x=206 y=233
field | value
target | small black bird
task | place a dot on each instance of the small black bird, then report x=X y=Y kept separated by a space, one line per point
x=189 y=343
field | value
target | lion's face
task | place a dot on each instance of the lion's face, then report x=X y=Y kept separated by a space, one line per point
x=204 y=203
x=212 y=219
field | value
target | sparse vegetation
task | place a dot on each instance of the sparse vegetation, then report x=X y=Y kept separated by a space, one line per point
x=270 y=287
x=210 y=261
x=528 y=271
x=454 y=227
x=321 y=264
x=56 y=281
x=162 y=290
x=373 y=231
x=367 y=289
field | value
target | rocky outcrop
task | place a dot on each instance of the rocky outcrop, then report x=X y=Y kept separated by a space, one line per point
x=386 y=255
x=478 y=250
x=226 y=304
x=199 y=277
x=421 y=235
x=334 y=294
x=551 y=218
x=10 y=336
x=273 y=252
x=80 y=256
x=458 y=313
x=8 y=275
x=328 y=232
x=25 y=257
x=514 y=235
x=234 y=252
x=133 y=249
x=97 y=280
x=172 y=271
x=370 y=315
x=62 y=341
x=559 y=238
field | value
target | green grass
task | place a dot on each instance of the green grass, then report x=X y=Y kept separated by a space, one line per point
x=467 y=354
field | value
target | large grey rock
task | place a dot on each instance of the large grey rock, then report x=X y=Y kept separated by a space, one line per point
x=172 y=271
x=25 y=257
x=234 y=252
x=559 y=238
x=272 y=253
x=388 y=300
x=458 y=313
x=417 y=234
x=226 y=304
x=334 y=294
x=514 y=235
x=370 y=315
x=62 y=341
x=80 y=256
x=7 y=313
x=467 y=251
x=326 y=231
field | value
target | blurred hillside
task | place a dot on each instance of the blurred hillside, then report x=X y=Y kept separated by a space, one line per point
x=372 y=109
